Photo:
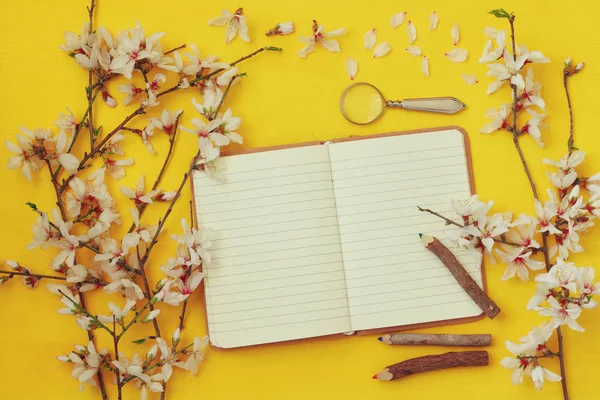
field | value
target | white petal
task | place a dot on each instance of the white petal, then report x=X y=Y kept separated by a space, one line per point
x=470 y=79
x=69 y=162
x=457 y=55
x=370 y=39
x=414 y=50
x=397 y=19
x=455 y=33
x=351 y=67
x=306 y=50
x=433 y=21
x=494 y=86
x=412 y=32
x=331 y=45
x=425 y=66
x=382 y=49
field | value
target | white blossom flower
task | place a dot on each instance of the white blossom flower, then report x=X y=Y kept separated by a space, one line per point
x=26 y=158
x=208 y=136
x=66 y=122
x=117 y=314
x=30 y=282
x=519 y=262
x=112 y=252
x=152 y=88
x=74 y=41
x=68 y=243
x=43 y=235
x=561 y=315
x=507 y=71
x=196 y=356
x=534 y=126
x=86 y=364
x=145 y=233
x=562 y=274
x=530 y=95
x=167 y=121
x=115 y=167
x=319 y=37
x=498 y=118
x=196 y=240
x=130 y=51
x=567 y=162
x=491 y=52
x=236 y=23
x=131 y=91
x=283 y=28
x=138 y=196
x=127 y=287
x=533 y=342
x=544 y=215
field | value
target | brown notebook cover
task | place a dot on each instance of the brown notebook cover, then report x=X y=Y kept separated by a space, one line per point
x=354 y=138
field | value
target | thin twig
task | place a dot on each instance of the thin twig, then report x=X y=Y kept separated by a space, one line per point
x=90 y=82
x=182 y=315
x=92 y=339
x=134 y=319
x=117 y=372
x=571 y=138
x=158 y=364
x=81 y=309
x=60 y=278
x=175 y=49
x=147 y=291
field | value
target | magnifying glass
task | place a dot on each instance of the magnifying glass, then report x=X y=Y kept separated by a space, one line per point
x=362 y=103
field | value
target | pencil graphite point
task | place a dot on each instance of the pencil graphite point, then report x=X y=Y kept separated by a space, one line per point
x=385 y=339
x=374 y=376
x=420 y=235
x=380 y=338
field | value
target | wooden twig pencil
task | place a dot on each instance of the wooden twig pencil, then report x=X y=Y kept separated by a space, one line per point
x=431 y=339
x=486 y=304
x=432 y=363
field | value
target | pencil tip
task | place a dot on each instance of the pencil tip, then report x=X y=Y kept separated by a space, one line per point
x=380 y=338
x=374 y=376
x=420 y=235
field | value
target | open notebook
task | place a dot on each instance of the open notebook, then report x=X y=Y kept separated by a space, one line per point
x=322 y=239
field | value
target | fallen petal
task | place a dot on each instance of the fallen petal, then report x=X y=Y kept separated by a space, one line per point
x=470 y=79
x=397 y=19
x=433 y=21
x=370 y=39
x=455 y=34
x=412 y=32
x=425 y=66
x=490 y=32
x=382 y=49
x=351 y=67
x=414 y=50
x=457 y=55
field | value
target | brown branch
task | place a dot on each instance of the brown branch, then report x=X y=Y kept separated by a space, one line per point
x=59 y=278
x=570 y=143
x=463 y=278
x=182 y=315
x=452 y=222
x=117 y=372
x=92 y=339
x=175 y=49
x=432 y=363
x=162 y=170
x=90 y=82
x=432 y=339
x=147 y=291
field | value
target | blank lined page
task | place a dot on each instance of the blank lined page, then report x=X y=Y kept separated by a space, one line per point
x=276 y=271
x=391 y=278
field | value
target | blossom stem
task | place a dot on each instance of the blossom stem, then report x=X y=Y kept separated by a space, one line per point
x=182 y=316
x=571 y=138
x=147 y=291
x=90 y=81
x=134 y=319
x=56 y=277
x=92 y=339
x=83 y=310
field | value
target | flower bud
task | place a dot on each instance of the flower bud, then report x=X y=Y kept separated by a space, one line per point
x=160 y=284
x=176 y=336
x=152 y=352
x=579 y=66
x=63 y=358
x=158 y=297
x=151 y=315
x=568 y=63
x=108 y=99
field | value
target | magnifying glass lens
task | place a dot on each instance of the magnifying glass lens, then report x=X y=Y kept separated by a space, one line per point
x=362 y=103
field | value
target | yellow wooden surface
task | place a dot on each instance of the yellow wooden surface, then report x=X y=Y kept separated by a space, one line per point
x=286 y=99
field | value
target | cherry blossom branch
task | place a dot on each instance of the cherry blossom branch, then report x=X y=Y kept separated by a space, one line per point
x=451 y=222
x=92 y=339
x=134 y=319
x=90 y=81
x=55 y=277
x=182 y=315
x=515 y=112
x=83 y=310
x=535 y=195
x=181 y=186
x=175 y=49
x=159 y=363
x=162 y=170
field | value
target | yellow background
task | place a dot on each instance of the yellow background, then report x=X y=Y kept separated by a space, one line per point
x=286 y=99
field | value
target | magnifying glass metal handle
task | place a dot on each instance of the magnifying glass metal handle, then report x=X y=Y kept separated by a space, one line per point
x=444 y=105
